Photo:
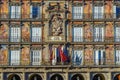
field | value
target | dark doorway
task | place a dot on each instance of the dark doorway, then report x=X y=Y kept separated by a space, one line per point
x=56 y=77
x=14 y=77
x=77 y=77
x=35 y=77
x=98 y=77
x=117 y=77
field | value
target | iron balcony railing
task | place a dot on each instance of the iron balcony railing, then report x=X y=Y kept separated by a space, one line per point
x=81 y=16
x=89 y=62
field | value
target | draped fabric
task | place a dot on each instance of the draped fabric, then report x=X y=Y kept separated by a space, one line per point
x=117 y=34
x=36 y=57
x=77 y=12
x=77 y=57
x=15 y=34
x=98 y=12
x=99 y=57
x=36 y=34
x=35 y=12
x=98 y=34
x=77 y=34
x=15 y=11
x=117 y=56
x=15 y=57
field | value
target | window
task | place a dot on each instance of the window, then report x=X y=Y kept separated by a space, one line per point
x=77 y=34
x=15 y=34
x=117 y=56
x=98 y=34
x=117 y=33
x=77 y=57
x=36 y=34
x=15 y=11
x=77 y=12
x=116 y=10
x=98 y=12
x=15 y=57
x=99 y=57
x=36 y=57
x=35 y=12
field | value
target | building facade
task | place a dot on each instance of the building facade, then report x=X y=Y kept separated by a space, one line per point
x=59 y=40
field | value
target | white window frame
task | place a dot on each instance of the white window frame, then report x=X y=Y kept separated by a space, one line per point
x=99 y=34
x=117 y=33
x=15 y=57
x=78 y=31
x=80 y=52
x=77 y=12
x=36 y=34
x=15 y=34
x=36 y=57
x=98 y=61
x=98 y=12
x=117 y=57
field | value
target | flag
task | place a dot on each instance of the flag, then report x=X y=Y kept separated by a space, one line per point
x=62 y=55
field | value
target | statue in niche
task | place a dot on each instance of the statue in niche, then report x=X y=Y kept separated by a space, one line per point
x=56 y=25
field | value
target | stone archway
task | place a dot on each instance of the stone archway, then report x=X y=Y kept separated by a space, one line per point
x=77 y=77
x=35 y=77
x=56 y=77
x=14 y=77
x=117 y=77
x=99 y=77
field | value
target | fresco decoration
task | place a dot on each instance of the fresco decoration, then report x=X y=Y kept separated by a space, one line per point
x=109 y=33
x=109 y=54
x=4 y=9
x=25 y=55
x=88 y=55
x=26 y=32
x=88 y=10
x=4 y=30
x=3 y=55
x=108 y=9
x=88 y=32
x=26 y=10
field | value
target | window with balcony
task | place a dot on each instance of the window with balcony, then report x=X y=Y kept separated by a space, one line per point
x=99 y=57
x=36 y=57
x=77 y=57
x=117 y=56
x=15 y=33
x=116 y=11
x=117 y=33
x=98 y=12
x=98 y=33
x=78 y=34
x=15 y=57
x=77 y=12
x=35 y=12
x=15 y=11
x=36 y=34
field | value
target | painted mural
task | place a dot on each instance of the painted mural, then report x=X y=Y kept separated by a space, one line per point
x=108 y=9
x=88 y=9
x=4 y=30
x=3 y=55
x=26 y=32
x=109 y=54
x=88 y=32
x=109 y=33
x=4 y=9
x=88 y=55
x=25 y=10
x=25 y=55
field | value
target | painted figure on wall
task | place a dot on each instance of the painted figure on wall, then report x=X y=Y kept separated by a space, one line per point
x=3 y=55
x=25 y=55
x=56 y=23
x=88 y=32
x=25 y=32
x=4 y=32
